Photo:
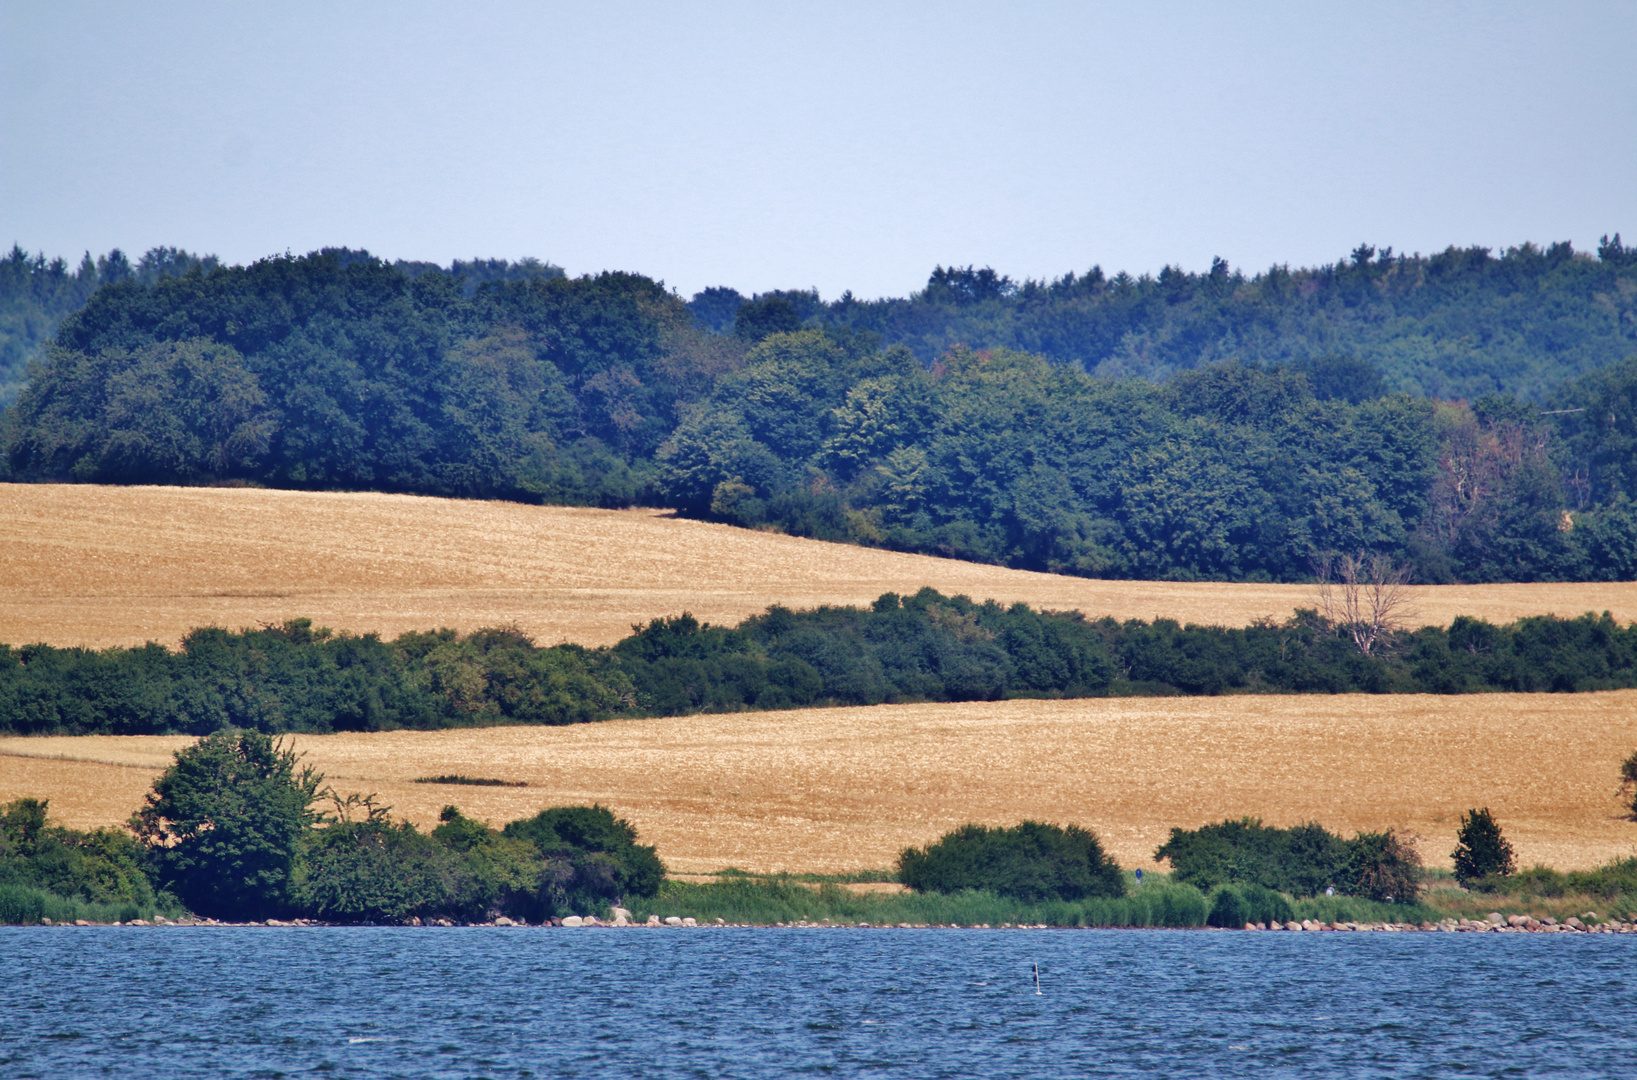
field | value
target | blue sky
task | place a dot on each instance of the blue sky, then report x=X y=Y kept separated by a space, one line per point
x=836 y=146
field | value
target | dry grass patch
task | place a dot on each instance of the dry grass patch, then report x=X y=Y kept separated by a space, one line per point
x=99 y=566
x=840 y=790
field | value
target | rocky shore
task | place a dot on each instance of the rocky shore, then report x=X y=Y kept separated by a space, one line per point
x=1494 y=923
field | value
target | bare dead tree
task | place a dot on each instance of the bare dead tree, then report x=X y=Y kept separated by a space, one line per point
x=1365 y=596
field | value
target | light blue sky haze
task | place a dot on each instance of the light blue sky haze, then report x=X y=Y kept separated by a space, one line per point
x=830 y=145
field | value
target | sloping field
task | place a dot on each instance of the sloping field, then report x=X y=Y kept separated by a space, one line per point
x=844 y=789
x=100 y=566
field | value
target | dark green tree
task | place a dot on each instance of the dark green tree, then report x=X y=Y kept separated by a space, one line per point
x=1628 y=782
x=592 y=858
x=1480 y=849
x=224 y=825
x=1030 y=861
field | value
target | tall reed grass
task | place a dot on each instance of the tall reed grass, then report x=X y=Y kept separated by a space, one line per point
x=24 y=905
x=766 y=901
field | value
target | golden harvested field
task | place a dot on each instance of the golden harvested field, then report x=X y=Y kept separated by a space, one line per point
x=100 y=566
x=842 y=789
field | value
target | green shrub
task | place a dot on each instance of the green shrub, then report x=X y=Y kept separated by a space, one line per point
x=1031 y=862
x=593 y=859
x=1612 y=881
x=103 y=866
x=373 y=872
x=1628 y=782
x=1233 y=906
x=1384 y=866
x=1480 y=849
x=1302 y=861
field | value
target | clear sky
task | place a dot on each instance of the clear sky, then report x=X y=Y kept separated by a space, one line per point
x=767 y=145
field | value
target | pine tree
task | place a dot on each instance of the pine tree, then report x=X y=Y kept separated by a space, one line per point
x=1480 y=849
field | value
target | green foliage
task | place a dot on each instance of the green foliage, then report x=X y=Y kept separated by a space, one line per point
x=225 y=824
x=563 y=861
x=36 y=293
x=1628 y=782
x=1031 y=862
x=767 y=901
x=103 y=866
x=1615 y=882
x=1233 y=906
x=1480 y=849
x=1385 y=867
x=1456 y=324
x=373 y=872
x=1280 y=418
x=1302 y=861
x=923 y=647
x=26 y=905
x=170 y=412
x=593 y=859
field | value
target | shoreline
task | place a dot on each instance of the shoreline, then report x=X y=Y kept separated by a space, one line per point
x=1495 y=924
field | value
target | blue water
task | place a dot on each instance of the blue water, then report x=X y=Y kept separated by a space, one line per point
x=224 y=1002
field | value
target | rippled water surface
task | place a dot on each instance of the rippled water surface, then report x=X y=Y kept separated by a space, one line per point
x=224 y=1002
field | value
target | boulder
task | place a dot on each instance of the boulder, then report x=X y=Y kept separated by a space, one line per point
x=572 y=920
x=501 y=920
x=621 y=913
x=1293 y=925
x=653 y=920
x=139 y=922
x=1495 y=917
x=673 y=920
x=1573 y=923
x=690 y=922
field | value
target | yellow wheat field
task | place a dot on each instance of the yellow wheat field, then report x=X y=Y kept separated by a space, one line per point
x=100 y=566
x=843 y=789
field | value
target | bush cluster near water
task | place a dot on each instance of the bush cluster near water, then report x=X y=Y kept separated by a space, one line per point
x=1181 y=426
x=233 y=831
x=1031 y=861
x=924 y=647
x=1254 y=859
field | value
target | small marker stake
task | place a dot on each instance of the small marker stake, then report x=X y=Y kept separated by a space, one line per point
x=1036 y=977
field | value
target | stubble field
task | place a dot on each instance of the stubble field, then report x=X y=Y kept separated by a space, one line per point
x=819 y=790
x=100 y=566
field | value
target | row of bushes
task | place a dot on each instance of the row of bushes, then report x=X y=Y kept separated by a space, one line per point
x=924 y=647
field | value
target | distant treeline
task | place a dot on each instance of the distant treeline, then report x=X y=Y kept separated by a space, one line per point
x=1288 y=426
x=925 y=647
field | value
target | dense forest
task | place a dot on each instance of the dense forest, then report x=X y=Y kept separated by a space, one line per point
x=924 y=647
x=1468 y=415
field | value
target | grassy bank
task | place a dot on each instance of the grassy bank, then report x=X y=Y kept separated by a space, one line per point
x=1155 y=903
x=738 y=898
x=27 y=906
